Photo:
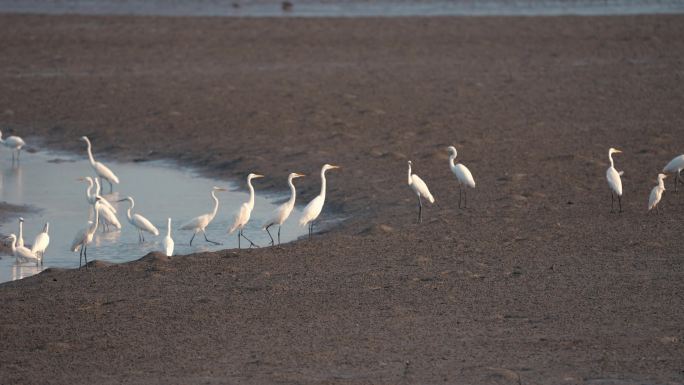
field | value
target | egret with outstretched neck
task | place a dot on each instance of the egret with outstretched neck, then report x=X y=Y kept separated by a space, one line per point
x=657 y=194
x=281 y=214
x=21 y=253
x=13 y=142
x=41 y=242
x=200 y=223
x=91 y=195
x=465 y=178
x=614 y=181
x=167 y=242
x=245 y=211
x=85 y=236
x=101 y=170
x=420 y=189
x=314 y=208
x=20 y=240
x=138 y=221
x=676 y=165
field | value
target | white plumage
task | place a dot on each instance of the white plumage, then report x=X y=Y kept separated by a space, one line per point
x=21 y=253
x=465 y=178
x=100 y=169
x=420 y=189
x=167 y=242
x=20 y=239
x=139 y=222
x=314 y=208
x=283 y=211
x=14 y=143
x=41 y=242
x=614 y=181
x=198 y=224
x=245 y=211
x=85 y=236
x=676 y=165
x=657 y=193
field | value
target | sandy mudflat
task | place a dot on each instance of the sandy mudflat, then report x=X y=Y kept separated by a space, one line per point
x=535 y=283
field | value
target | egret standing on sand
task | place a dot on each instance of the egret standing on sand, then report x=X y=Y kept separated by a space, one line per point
x=657 y=193
x=676 y=165
x=614 y=181
x=139 y=222
x=22 y=254
x=198 y=224
x=167 y=242
x=465 y=178
x=420 y=188
x=13 y=142
x=100 y=169
x=245 y=211
x=281 y=214
x=41 y=242
x=85 y=236
x=314 y=208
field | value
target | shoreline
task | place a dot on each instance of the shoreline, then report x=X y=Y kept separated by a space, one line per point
x=535 y=282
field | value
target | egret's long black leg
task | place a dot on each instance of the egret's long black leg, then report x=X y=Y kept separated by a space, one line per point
x=612 y=202
x=279 y=226
x=80 y=257
x=248 y=240
x=465 y=198
x=310 y=229
x=420 y=210
x=85 y=254
x=208 y=240
x=675 y=182
x=459 y=195
x=239 y=231
x=111 y=186
x=269 y=235
x=620 y=202
x=193 y=237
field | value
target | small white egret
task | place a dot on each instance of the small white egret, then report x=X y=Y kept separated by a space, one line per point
x=245 y=211
x=139 y=222
x=420 y=188
x=22 y=254
x=167 y=242
x=20 y=240
x=85 y=236
x=41 y=242
x=465 y=178
x=13 y=142
x=614 y=181
x=100 y=169
x=656 y=194
x=314 y=208
x=281 y=214
x=198 y=224
x=91 y=195
x=676 y=165
x=107 y=217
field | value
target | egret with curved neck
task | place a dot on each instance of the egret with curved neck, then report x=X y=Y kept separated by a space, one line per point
x=200 y=223
x=23 y=254
x=85 y=236
x=139 y=222
x=465 y=178
x=41 y=242
x=657 y=194
x=101 y=170
x=314 y=208
x=245 y=211
x=281 y=214
x=614 y=181
x=420 y=189
x=20 y=240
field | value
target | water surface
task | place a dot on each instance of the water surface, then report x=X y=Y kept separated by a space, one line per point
x=47 y=182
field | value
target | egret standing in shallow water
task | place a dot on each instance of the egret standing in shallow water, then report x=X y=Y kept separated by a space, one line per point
x=420 y=188
x=198 y=224
x=281 y=214
x=657 y=193
x=314 y=208
x=614 y=181
x=676 y=165
x=85 y=236
x=465 y=178
x=22 y=254
x=245 y=211
x=139 y=222
x=101 y=170
x=167 y=242
x=41 y=242
x=13 y=142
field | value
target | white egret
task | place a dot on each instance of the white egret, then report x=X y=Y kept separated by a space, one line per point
x=614 y=181
x=465 y=178
x=13 y=142
x=676 y=165
x=20 y=240
x=245 y=211
x=420 y=188
x=657 y=193
x=198 y=224
x=91 y=195
x=167 y=242
x=141 y=223
x=22 y=254
x=100 y=169
x=281 y=214
x=107 y=216
x=104 y=202
x=85 y=236
x=41 y=242
x=314 y=208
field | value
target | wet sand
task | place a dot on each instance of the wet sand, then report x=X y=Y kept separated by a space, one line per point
x=536 y=282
